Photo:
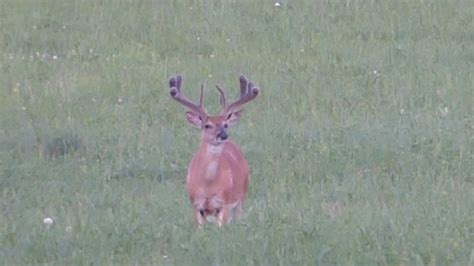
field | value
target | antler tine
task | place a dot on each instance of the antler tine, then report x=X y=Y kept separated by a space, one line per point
x=250 y=88
x=243 y=85
x=179 y=78
x=172 y=82
x=247 y=93
x=175 y=92
x=222 y=97
x=201 y=96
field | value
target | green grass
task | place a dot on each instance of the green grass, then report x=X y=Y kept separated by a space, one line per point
x=360 y=144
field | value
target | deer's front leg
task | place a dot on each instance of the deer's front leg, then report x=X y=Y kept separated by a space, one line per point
x=223 y=217
x=198 y=218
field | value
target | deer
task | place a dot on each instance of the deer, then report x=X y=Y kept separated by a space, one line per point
x=217 y=178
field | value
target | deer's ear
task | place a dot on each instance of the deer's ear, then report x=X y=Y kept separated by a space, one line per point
x=194 y=119
x=233 y=118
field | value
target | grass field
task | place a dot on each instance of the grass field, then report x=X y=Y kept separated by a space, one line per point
x=360 y=144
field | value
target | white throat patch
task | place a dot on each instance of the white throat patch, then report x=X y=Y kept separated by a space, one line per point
x=215 y=149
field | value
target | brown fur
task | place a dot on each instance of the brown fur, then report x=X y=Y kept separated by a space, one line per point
x=218 y=175
x=222 y=190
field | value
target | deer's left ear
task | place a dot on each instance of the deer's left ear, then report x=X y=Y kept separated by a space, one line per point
x=233 y=117
x=194 y=119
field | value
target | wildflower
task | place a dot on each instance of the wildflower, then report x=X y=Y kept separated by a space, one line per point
x=444 y=111
x=48 y=221
x=277 y=4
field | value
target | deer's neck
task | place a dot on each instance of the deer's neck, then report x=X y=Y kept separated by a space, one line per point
x=213 y=150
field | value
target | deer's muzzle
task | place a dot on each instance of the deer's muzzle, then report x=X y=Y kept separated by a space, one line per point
x=222 y=135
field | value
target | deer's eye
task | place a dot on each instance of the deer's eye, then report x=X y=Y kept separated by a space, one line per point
x=207 y=126
x=226 y=126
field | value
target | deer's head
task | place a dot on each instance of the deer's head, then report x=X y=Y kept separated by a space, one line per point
x=214 y=128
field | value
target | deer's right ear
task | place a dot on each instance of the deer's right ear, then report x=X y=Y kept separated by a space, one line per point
x=194 y=119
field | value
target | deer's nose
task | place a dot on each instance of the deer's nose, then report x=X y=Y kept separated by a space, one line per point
x=222 y=135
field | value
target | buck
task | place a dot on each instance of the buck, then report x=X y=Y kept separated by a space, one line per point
x=218 y=175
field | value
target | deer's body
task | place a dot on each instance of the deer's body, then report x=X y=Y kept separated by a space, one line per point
x=218 y=175
x=217 y=180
